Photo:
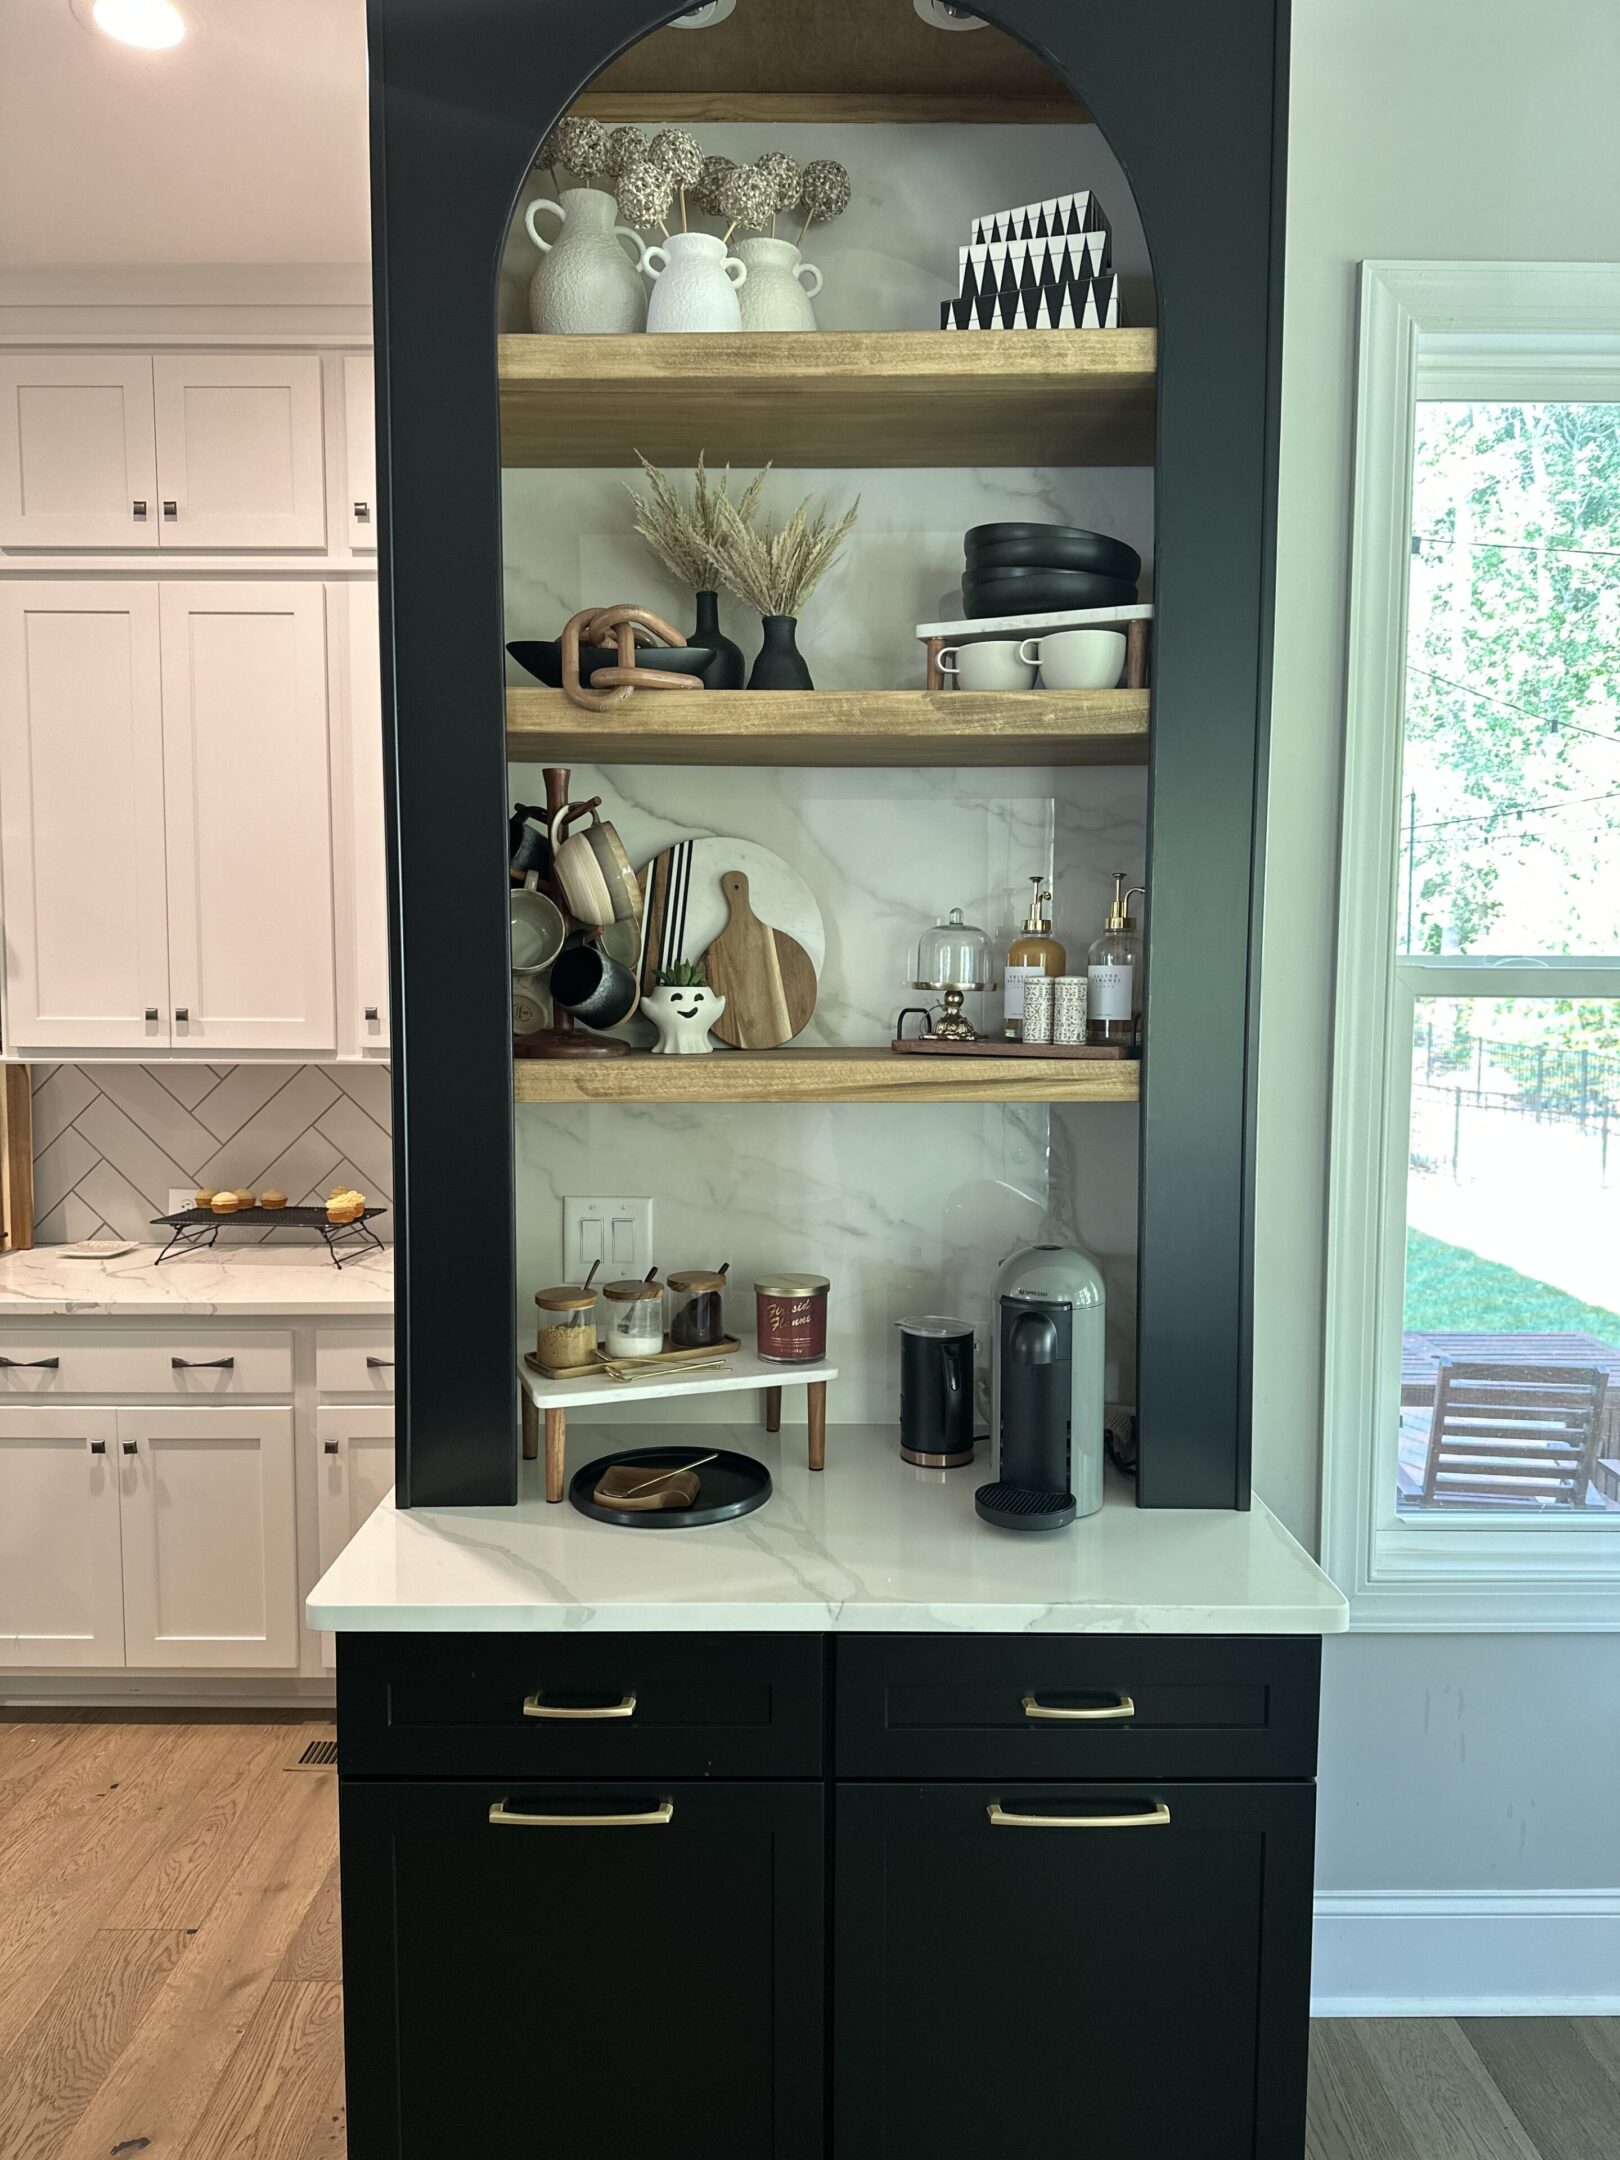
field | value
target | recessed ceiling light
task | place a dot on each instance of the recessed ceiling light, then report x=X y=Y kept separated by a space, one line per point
x=705 y=17
x=945 y=15
x=151 y=25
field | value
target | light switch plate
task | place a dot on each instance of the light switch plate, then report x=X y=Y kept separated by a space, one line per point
x=616 y=1232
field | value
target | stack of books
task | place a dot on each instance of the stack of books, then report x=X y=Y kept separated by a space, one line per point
x=1043 y=266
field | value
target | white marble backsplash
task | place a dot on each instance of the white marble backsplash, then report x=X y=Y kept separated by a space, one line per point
x=914 y=192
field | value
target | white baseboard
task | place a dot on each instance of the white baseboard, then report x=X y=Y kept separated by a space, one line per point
x=125 y=1691
x=1467 y=1953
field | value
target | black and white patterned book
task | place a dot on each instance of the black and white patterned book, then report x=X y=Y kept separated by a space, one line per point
x=1059 y=218
x=1069 y=303
x=1027 y=264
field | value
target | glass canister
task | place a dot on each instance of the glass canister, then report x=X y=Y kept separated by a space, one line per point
x=697 y=1316
x=790 y=1312
x=567 y=1326
x=635 y=1318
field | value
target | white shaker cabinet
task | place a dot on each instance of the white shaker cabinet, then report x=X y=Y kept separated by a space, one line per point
x=83 y=873
x=247 y=784
x=78 y=451
x=61 y=1595
x=360 y=451
x=239 y=450
x=355 y=1465
x=209 y=1536
x=366 y=874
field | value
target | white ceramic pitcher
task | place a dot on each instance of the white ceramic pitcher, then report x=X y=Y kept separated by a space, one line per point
x=695 y=284
x=773 y=298
x=585 y=283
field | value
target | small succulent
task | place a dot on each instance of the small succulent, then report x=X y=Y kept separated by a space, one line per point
x=825 y=192
x=684 y=975
x=626 y=146
x=645 y=192
x=784 y=178
x=580 y=145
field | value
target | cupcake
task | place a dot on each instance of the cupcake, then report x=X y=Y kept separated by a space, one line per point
x=224 y=1203
x=247 y=1199
x=205 y=1196
x=271 y=1199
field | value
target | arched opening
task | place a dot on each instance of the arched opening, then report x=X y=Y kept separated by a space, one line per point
x=855 y=847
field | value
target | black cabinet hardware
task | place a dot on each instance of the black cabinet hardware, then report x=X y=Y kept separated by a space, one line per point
x=98 y=1447
x=137 y=508
x=37 y=1364
x=379 y=1364
x=218 y=1364
x=329 y=1447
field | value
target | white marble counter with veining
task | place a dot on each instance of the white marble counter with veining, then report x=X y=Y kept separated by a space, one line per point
x=239 y=1282
x=868 y=1546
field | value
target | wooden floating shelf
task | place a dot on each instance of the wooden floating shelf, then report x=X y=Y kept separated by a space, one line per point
x=898 y=107
x=833 y=1076
x=833 y=727
x=893 y=398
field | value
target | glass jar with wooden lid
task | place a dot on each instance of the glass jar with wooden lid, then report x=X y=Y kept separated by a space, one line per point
x=567 y=1326
x=697 y=1316
x=634 y=1317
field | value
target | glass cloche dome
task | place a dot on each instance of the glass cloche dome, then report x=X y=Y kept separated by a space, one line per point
x=954 y=955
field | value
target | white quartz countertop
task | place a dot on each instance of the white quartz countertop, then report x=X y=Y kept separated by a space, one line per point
x=241 y=1281
x=869 y=1546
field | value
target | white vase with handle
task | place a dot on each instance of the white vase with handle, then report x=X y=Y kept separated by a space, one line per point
x=695 y=284
x=586 y=284
x=774 y=297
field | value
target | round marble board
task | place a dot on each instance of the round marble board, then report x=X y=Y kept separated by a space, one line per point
x=683 y=909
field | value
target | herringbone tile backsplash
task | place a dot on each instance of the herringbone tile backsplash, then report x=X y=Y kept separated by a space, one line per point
x=111 y=1141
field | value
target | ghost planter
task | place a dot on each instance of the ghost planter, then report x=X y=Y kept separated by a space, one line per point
x=683 y=1014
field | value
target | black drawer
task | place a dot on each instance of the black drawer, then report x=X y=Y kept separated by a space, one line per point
x=1086 y=1706
x=598 y=1706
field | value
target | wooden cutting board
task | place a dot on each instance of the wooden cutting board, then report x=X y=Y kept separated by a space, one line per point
x=766 y=978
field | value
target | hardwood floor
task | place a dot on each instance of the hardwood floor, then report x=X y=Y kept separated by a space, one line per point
x=170 y=1984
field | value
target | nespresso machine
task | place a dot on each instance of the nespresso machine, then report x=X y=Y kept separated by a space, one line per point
x=1046 y=1400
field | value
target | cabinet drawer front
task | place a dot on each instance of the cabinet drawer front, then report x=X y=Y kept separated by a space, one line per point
x=548 y=1706
x=195 y=1366
x=1076 y=1706
x=355 y=1361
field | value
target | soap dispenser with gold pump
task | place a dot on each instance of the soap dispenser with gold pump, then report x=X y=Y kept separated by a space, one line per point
x=1114 y=974
x=1034 y=951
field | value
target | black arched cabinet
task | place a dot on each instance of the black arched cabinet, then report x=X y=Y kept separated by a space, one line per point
x=1190 y=99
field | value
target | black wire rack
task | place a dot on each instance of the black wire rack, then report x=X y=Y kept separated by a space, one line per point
x=194 y=1229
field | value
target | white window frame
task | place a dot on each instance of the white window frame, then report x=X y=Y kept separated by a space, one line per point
x=1454 y=330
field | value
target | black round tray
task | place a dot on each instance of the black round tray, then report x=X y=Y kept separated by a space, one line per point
x=732 y=1485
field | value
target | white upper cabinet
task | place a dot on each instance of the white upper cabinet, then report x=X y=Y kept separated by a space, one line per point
x=78 y=451
x=239 y=450
x=368 y=850
x=83 y=880
x=247 y=781
x=209 y=1538
x=61 y=1593
x=360 y=450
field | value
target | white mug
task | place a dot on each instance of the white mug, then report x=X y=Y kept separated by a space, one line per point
x=994 y=664
x=1077 y=659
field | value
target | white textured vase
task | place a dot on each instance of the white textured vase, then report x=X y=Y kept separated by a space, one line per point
x=774 y=298
x=586 y=284
x=695 y=284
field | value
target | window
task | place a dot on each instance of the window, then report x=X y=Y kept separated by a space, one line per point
x=1473 y=1326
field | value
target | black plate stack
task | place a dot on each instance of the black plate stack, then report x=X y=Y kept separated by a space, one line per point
x=1046 y=570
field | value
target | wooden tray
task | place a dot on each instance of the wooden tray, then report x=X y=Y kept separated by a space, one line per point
x=940 y=1046
x=599 y=1364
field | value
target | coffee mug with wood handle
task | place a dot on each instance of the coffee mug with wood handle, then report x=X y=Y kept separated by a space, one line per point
x=591 y=866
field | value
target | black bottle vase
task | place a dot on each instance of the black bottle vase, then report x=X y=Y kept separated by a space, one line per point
x=729 y=667
x=780 y=665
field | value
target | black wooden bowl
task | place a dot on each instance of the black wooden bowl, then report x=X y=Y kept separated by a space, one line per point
x=542 y=658
x=1043 y=592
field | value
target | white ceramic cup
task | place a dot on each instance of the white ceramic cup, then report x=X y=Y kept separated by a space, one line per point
x=1077 y=659
x=538 y=928
x=993 y=664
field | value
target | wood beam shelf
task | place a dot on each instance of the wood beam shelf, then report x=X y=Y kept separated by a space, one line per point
x=833 y=727
x=819 y=1075
x=831 y=398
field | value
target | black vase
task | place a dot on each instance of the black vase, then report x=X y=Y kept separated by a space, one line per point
x=780 y=665
x=728 y=668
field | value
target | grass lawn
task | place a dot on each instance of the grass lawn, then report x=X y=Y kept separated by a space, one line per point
x=1449 y=1287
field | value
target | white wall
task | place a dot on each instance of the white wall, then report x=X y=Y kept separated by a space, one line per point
x=246 y=144
x=1468 y=129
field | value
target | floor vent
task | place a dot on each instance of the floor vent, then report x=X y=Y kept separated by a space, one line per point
x=319 y=1755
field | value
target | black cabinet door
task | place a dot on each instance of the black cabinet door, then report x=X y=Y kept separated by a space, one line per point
x=520 y=1984
x=1138 y=1991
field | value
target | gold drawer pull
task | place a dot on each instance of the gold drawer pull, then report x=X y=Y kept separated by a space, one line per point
x=651 y=1819
x=1156 y=1817
x=1121 y=1707
x=536 y=1706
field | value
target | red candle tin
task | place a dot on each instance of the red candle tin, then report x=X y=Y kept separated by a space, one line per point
x=791 y=1316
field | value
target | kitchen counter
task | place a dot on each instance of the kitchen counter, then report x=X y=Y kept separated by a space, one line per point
x=284 y=1281
x=868 y=1546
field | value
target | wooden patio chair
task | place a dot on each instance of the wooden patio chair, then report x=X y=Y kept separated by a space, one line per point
x=1513 y=1435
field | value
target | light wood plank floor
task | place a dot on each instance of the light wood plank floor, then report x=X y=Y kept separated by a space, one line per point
x=170 y=1986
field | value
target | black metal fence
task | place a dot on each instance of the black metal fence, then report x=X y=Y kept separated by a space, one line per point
x=1541 y=1080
